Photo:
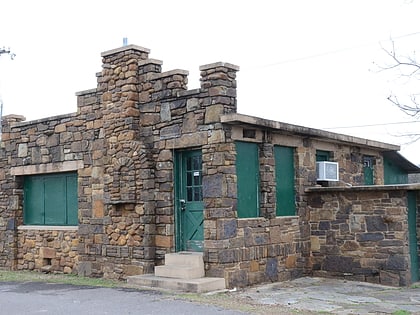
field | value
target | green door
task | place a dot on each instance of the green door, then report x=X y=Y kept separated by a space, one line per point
x=393 y=174
x=285 y=181
x=248 y=182
x=189 y=201
x=412 y=235
x=368 y=170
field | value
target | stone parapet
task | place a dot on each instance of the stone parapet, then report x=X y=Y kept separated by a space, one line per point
x=360 y=234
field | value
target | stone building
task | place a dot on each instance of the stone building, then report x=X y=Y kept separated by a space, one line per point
x=146 y=167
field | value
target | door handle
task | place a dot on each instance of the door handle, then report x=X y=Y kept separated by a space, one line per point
x=182 y=203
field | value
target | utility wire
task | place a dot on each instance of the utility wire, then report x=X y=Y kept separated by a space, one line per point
x=326 y=53
x=374 y=125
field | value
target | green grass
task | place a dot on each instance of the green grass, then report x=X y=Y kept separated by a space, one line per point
x=24 y=276
x=401 y=312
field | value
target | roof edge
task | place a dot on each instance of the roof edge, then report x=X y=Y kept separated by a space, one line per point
x=306 y=131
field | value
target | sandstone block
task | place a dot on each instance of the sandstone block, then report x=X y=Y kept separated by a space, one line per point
x=46 y=252
x=163 y=241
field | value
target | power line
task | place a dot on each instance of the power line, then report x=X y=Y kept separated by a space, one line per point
x=332 y=52
x=375 y=125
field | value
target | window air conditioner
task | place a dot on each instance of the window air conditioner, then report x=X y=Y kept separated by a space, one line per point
x=327 y=171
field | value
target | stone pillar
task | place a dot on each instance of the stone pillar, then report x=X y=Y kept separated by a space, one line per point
x=268 y=181
x=219 y=79
x=10 y=196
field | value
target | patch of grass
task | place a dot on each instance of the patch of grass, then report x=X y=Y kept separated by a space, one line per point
x=25 y=276
x=401 y=312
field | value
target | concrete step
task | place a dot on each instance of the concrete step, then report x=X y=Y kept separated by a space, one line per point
x=179 y=271
x=185 y=259
x=198 y=285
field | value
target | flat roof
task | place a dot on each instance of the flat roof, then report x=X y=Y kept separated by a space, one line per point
x=291 y=129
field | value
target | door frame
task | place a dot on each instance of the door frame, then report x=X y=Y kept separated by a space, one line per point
x=179 y=182
x=412 y=236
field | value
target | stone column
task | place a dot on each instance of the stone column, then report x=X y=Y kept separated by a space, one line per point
x=268 y=181
x=11 y=194
x=219 y=79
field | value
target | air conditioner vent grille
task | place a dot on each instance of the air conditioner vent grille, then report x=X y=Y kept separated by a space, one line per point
x=327 y=171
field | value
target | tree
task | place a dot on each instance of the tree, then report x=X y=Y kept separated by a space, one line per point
x=7 y=51
x=409 y=70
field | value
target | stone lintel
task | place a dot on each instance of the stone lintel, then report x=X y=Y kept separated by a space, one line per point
x=47 y=227
x=219 y=64
x=125 y=48
x=47 y=168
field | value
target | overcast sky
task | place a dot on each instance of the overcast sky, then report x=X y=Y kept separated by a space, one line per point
x=310 y=63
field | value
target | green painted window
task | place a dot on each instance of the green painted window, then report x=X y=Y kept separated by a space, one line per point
x=50 y=199
x=248 y=179
x=368 y=170
x=285 y=181
x=322 y=156
x=394 y=174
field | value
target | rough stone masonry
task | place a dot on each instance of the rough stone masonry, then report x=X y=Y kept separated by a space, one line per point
x=122 y=142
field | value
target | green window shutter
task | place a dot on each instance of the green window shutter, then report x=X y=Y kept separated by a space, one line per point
x=55 y=196
x=285 y=181
x=322 y=156
x=394 y=174
x=51 y=199
x=247 y=172
x=33 y=200
x=72 y=200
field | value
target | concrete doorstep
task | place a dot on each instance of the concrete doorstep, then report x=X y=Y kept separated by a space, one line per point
x=198 y=285
x=183 y=271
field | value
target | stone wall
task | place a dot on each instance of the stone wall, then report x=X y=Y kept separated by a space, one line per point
x=252 y=251
x=360 y=234
x=122 y=143
x=48 y=250
x=50 y=145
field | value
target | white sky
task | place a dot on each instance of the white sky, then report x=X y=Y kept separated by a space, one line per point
x=303 y=62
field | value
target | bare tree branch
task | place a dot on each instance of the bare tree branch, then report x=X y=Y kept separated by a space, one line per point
x=409 y=68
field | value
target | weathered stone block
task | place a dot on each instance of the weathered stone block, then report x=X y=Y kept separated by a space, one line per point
x=315 y=243
x=389 y=278
x=213 y=114
x=45 y=252
x=369 y=237
x=192 y=104
x=338 y=264
x=216 y=136
x=236 y=278
x=85 y=268
x=396 y=262
x=271 y=269
x=22 y=150
x=189 y=123
x=163 y=241
x=227 y=228
x=375 y=224
x=170 y=132
x=213 y=186
x=254 y=266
